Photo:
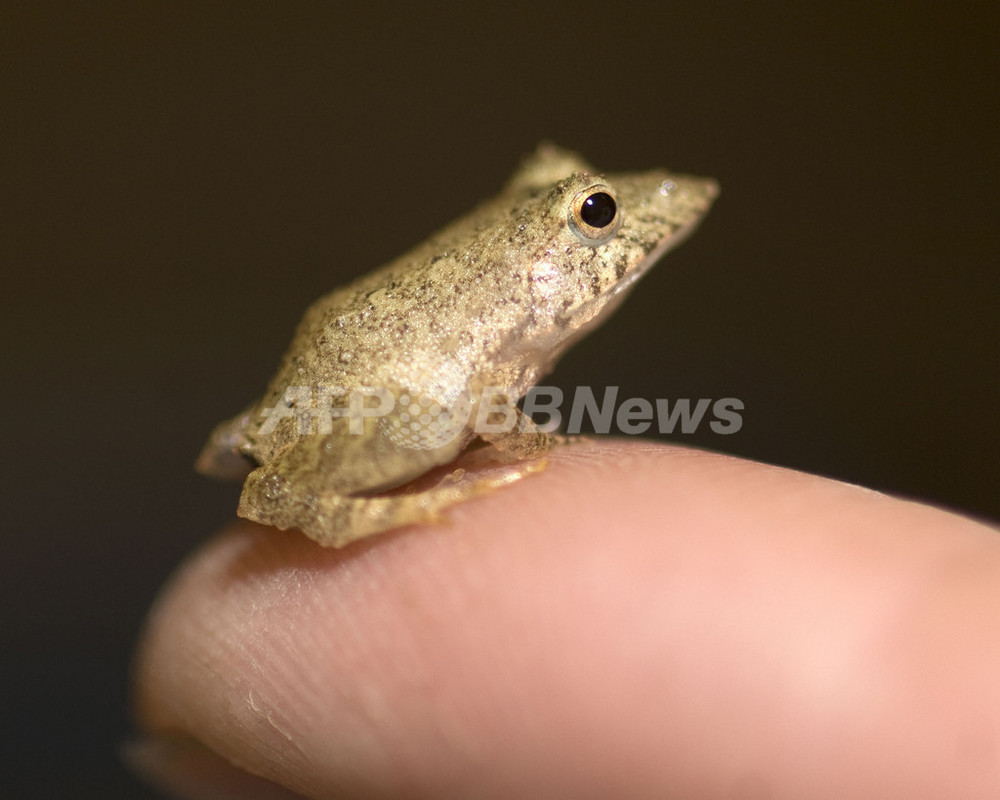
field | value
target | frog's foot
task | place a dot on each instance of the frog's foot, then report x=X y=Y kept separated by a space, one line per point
x=337 y=520
x=524 y=441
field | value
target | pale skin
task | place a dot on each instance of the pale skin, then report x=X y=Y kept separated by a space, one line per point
x=635 y=621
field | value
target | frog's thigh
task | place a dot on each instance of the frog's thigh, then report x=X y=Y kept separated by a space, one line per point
x=335 y=520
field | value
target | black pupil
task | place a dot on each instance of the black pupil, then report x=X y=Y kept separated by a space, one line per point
x=598 y=210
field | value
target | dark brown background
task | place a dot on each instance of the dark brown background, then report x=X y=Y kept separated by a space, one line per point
x=178 y=183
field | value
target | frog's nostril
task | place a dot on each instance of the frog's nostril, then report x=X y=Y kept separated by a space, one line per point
x=667 y=188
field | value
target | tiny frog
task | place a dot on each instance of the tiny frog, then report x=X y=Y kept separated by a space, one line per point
x=398 y=373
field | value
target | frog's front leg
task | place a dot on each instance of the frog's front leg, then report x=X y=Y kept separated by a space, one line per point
x=524 y=441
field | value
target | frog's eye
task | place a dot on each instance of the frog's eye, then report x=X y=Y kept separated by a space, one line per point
x=594 y=215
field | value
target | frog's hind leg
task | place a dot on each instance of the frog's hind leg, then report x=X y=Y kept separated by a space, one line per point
x=336 y=520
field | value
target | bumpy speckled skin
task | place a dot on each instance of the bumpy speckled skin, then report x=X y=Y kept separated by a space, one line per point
x=492 y=300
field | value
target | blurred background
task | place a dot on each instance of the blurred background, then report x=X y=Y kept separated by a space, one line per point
x=180 y=180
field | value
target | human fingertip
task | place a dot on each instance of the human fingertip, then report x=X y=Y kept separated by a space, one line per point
x=183 y=768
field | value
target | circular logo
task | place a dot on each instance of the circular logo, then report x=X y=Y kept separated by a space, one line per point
x=419 y=422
